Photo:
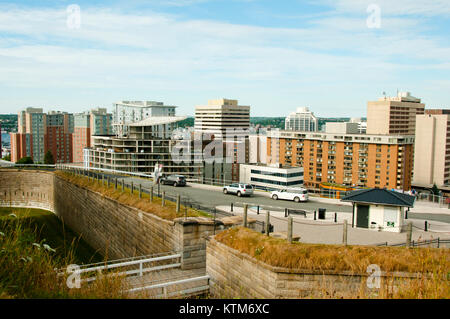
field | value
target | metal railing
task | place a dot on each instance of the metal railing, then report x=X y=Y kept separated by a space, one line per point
x=442 y=201
x=136 y=264
x=438 y=243
x=165 y=285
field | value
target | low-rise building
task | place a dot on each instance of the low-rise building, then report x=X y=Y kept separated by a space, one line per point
x=379 y=209
x=271 y=176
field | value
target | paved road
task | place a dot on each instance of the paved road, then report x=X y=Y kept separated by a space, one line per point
x=209 y=197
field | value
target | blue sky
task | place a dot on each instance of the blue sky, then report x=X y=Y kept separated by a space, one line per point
x=272 y=55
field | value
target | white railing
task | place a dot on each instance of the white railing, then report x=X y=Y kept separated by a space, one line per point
x=138 y=262
x=164 y=286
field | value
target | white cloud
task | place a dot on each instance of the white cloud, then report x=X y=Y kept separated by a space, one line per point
x=116 y=50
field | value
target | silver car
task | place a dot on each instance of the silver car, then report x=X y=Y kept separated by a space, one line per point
x=239 y=189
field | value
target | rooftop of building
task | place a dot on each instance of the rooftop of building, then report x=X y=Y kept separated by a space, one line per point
x=144 y=104
x=158 y=120
x=380 y=196
x=401 y=97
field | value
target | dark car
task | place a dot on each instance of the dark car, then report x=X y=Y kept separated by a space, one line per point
x=175 y=180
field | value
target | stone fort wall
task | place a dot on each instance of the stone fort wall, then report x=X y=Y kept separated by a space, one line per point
x=115 y=230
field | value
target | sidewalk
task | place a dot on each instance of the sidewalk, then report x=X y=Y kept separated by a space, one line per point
x=328 y=232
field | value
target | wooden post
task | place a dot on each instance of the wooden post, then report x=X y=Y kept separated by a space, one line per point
x=115 y=183
x=344 y=235
x=409 y=235
x=107 y=182
x=289 y=230
x=244 y=222
x=123 y=185
x=132 y=188
x=163 y=203
x=140 y=191
x=151 y=194
x=178 y=203
x=267 y=223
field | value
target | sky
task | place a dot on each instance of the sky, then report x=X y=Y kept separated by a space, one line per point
x=330 y=55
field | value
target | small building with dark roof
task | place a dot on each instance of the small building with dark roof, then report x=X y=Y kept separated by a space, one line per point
x=379 y=209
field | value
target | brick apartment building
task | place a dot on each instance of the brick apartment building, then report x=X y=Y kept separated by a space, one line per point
x=39 y=132
x=345 y=159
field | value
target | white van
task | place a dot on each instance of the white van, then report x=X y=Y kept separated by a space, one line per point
x=295 y=194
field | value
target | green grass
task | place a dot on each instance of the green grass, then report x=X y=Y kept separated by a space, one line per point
x=51 y=231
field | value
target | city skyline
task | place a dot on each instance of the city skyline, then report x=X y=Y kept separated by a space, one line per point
x=186 y=52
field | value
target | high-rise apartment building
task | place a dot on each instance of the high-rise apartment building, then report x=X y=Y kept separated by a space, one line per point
x=221 y=115
x=345 y=159
x=432 y=149
x=59 y=132
x=94 y=122
x=127 y=112
x=301 y=120
x=39 y=132
x=394 y=115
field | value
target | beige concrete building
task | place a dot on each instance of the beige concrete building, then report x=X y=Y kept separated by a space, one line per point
x=394 y=115
x=432 y=149
x=220 y=115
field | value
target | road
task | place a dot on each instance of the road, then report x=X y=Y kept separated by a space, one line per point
x=208 y=196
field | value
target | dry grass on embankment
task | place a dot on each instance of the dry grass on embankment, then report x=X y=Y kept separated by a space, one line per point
x=167 y=212
x=434 y=262
x=279 y=253
x=29 y=268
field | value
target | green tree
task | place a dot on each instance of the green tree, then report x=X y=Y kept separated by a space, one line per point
x=7 y=158
x=25 y=160
x=435 y=190
x=48 y=158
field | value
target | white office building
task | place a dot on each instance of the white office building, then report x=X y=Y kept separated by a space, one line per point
x=128 y=112
x=271 y=176
x=301 y=120
x=221 y=115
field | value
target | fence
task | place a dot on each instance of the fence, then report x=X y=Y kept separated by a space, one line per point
x=436 y=243
x=442 y=201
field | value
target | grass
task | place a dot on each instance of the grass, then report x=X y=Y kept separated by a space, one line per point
x=51 y=231
x=167 y=212
x=318 y=258
x=29 y=270
x=279 y=253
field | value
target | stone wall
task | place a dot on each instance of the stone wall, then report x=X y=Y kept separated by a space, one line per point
x=237 y=275
x=26 y=188
x=114 y=229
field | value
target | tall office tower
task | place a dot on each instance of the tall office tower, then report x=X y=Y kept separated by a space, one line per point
x=394 y=115
x=128 y=112
x=220 y=115
x=60 y=127
x=94 y=122
x=301 y=120
x=432 y=149
x=343 y=158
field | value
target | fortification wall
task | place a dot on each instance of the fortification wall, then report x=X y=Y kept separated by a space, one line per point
x=114 y=229
x=237 y=275
x=26 y=188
